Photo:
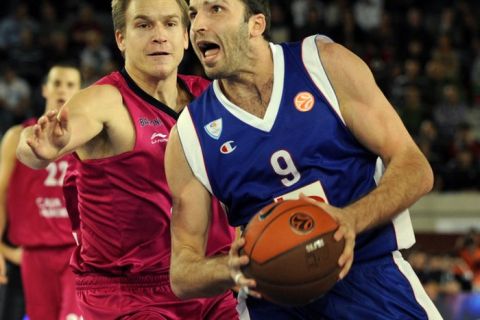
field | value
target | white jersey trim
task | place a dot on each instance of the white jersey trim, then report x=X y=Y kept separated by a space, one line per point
x=418 y=290
x=273 y=107
x=192 y=148
x=313 y=64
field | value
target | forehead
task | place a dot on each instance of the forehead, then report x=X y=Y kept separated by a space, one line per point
x=64 y=74
x=199 y=3
x=150 y=8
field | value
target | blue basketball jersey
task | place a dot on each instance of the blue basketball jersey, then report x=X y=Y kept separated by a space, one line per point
x=302 y=145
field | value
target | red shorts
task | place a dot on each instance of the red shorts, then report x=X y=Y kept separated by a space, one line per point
x=146 y=298
x=49 y=284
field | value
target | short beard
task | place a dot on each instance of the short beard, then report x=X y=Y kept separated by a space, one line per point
x=238 y=48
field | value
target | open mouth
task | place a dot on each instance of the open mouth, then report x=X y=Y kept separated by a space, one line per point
x=61 y=102
x=208 y=49
x=158 y=53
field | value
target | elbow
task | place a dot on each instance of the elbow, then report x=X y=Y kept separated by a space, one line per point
x=179 y=286
x=427 y=178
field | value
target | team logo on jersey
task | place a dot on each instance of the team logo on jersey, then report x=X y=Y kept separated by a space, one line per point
x=214 y=128
x=158 y=137
x=228 y=147
x=304 y=101
x=144 y=122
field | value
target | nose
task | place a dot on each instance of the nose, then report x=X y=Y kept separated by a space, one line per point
x=198 y=23
x=159 y=33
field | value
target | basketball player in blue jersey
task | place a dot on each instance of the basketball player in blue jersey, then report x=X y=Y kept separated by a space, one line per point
x=284 y=120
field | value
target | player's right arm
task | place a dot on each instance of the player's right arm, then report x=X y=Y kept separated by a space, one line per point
x=7 y=165
x=192 y=274
x=58 y=133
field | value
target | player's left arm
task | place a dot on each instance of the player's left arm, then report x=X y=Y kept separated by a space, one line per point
x=376 y=125
x=7 y=165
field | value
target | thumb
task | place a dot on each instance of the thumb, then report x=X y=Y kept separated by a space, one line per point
x=63 y=118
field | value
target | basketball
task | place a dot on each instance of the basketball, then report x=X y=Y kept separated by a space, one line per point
x=293 y=255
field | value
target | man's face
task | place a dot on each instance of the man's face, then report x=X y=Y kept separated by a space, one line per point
x=219 y=35
x=154 y=38
x=62 y=83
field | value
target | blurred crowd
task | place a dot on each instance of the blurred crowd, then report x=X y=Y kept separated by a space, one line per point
x=449 y=274
x=424 y=55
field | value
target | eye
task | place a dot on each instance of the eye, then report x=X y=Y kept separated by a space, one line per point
x=172 y=23
x=192 y=15
x=142 y=25
x=216 y=9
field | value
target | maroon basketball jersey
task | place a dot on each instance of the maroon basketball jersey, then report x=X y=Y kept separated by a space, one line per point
x=124 y=202
x=36 y=208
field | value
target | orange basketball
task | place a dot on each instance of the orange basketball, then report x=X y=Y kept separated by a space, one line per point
x=293 y=255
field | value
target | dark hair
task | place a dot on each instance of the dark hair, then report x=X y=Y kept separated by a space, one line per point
x=63 y=64
x=256 y=7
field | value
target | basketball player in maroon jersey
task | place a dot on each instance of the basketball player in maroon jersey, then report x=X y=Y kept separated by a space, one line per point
x=37 y=218
x=118 y=129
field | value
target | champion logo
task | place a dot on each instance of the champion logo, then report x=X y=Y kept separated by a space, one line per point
x=158 y=137
x=214 y=128
x=228 y=147
x=304 y=101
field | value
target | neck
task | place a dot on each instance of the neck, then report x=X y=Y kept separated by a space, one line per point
x=165 y=90
x=251 y=87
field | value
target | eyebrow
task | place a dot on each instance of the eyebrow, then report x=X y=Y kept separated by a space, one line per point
x=206 y=2
x=149 y=18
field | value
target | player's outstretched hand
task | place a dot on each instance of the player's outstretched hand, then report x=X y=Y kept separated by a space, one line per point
x=49 y=135
x=235 y=263
x=346 y=230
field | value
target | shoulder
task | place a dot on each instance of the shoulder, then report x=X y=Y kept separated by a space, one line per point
x=348 y=73
x=98 y=95
x=11 y=138
x=195 y=84
x=13 y=133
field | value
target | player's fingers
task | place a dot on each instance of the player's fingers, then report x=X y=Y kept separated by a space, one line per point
x=51 y=114
x=236 y=263
x=242 y=281
x=246 y=291
x=346 y=268
x=236 y=246
x=62 y=117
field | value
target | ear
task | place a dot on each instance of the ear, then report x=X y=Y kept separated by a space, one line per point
x=44 y=91
x=185 y=39
x=120 y=39
x=257 y=25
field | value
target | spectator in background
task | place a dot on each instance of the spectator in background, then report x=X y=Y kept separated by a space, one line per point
x=368 y=14
x=469 y=251
x=95 y=55
x=314 y=24
x=411 y=76
x=85 y=22
x=445 y=54
x=461 y=173
x=14 y=98
x=435 y=80
x=450 y=112
x=300 y=8
x=27 y=57
x=464 y=139
x=412 y=110
x=279 y=24
x=12 y=26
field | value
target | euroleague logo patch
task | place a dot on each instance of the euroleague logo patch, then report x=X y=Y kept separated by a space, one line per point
x=304 y=101
x=301 y=223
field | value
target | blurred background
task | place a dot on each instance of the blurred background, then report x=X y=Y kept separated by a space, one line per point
x=425 y=56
